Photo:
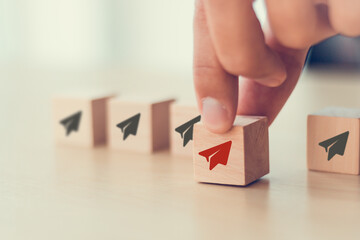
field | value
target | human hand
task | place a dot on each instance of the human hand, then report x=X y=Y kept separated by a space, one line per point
x=229 y=42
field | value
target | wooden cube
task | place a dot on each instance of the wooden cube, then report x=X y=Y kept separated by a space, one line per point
x=139 y=124
x=237 y=157
x=333 y=140
x=183 y=117
x=80 y=120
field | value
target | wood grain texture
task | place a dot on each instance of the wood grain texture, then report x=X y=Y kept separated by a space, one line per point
x=321 y=128
x=59 y=192
x=153 y=129
x=180 y=114
x=92 y=124
x=249 y=154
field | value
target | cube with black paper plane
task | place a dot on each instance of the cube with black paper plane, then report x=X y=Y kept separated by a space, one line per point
x=186 y=130
x=139 y=123
x=80 y=118
x=237 y=157
x=129 y=126
x=183 y=117
x=333 y=140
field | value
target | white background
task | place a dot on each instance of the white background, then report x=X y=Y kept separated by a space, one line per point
x=82 y=34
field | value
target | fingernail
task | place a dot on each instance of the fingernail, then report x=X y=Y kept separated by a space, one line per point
x=214 y=115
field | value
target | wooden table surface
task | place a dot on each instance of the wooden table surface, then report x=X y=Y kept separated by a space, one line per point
x=57 y=192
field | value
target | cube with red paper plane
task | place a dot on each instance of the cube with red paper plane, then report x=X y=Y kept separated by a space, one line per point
x=237 y=157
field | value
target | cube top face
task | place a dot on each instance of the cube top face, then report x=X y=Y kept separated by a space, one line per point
x=182 y=118
x=333 y=141
x=72 y=121
x=236 y=157
x=339 y=112
x=143 y=99
x=247 y=120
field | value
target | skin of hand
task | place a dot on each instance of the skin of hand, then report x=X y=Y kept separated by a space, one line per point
x=229 y=42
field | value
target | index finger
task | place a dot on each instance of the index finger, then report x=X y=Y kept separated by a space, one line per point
x=216 y=90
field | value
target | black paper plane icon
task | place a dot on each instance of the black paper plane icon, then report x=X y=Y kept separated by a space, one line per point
x=186 y=130
x=129 y=126
x=336 y=145
x=71 y=123
x=217 y=155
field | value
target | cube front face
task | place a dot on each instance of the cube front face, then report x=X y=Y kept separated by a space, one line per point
x=329 y=147
x=180 y=115
x=120 y=111
x=72 y=121
x=233 y=173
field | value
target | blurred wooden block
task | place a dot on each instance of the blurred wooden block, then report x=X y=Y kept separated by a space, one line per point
x=140 y=125
x=237 y=157
x=80 y=120
x=183 y=117
x=333 y=140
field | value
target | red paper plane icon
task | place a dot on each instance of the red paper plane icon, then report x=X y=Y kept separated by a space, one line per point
x=217 y=155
